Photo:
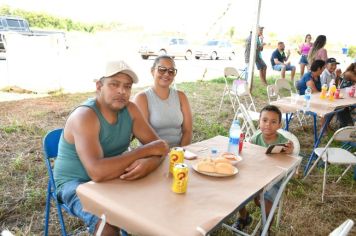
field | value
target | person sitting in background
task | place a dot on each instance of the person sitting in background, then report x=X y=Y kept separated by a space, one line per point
x=165 y=108
x=330 y=72
x=269 y=122
x=279 y=61
x=349 y=76
x=318 y=52
x=312 y=78
x=96 y=136
x=304 y=49
x=348 y=79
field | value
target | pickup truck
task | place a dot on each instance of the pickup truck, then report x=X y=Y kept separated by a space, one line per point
x=21 y=26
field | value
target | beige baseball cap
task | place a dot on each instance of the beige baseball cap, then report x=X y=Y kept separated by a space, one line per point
x=114 y=67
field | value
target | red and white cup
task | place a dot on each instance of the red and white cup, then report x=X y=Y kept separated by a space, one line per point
x=241 y=142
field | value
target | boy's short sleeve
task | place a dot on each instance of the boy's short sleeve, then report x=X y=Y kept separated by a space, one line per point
x=282 y=139
x=253 y=139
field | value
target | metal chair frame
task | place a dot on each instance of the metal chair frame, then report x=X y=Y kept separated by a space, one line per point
x=50 y=151
x=346 y=134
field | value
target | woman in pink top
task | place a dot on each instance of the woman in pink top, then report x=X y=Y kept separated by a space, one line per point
x=318 y=52
x=304 y=49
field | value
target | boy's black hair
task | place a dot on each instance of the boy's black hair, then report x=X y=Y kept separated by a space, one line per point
x=272 y=109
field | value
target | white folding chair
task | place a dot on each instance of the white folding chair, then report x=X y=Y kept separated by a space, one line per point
x=334 y=155
x=296 y=151
x=229 y=72
x=282 y=86
x=244 y=97
x=247 y=126
x=343 y=229
x=293 y=138
x=272 y=93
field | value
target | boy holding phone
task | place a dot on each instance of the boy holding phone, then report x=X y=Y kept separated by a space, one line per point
x=269 y=122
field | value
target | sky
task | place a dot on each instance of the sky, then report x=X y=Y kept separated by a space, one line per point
x=335 y=19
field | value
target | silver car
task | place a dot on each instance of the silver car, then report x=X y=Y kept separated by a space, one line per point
x=175 y=47
x=215 y=49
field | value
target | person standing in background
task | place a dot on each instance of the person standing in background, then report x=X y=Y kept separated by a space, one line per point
x=304 y=49
x=318 y=52
x=260 y=64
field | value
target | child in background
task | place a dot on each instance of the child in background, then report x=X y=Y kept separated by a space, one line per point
x=269 y=123
x=349 y=76
x=348 y=79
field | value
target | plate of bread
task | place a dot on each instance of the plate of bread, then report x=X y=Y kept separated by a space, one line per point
x=219 y=167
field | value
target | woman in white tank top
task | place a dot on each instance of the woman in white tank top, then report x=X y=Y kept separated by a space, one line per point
x=166 y=109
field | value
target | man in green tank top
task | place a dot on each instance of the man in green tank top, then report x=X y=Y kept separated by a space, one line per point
x=96 y=137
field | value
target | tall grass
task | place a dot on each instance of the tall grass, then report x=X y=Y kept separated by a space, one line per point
x=23 y=176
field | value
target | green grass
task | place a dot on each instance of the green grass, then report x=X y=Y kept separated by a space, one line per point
x=23 y=179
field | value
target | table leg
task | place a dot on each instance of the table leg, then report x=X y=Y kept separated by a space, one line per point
x=288 y=119
x=317 y=139
x=101 y=226
x=267 y=222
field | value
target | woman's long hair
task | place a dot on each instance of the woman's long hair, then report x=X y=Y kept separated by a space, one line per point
x=319 y=43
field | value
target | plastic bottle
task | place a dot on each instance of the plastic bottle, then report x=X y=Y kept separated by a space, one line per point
x=332 y=82
x=307 y=98
x=332 y=91
x=213 y=153
x=234 y=137
x=324 y=90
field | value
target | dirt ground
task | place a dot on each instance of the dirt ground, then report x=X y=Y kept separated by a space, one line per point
x=23 y=176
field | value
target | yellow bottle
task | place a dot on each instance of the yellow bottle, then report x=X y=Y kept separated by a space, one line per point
x=323 y=91
x=332 y=91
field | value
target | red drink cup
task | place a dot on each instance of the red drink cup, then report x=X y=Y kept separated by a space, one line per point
x=241 y=142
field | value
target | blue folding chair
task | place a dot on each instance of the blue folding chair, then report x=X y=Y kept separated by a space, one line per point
x=50 y=150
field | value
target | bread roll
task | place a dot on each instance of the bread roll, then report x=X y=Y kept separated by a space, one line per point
x=224 y=168
x=206 y=166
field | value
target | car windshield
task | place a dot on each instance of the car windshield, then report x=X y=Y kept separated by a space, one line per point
x=212 y=43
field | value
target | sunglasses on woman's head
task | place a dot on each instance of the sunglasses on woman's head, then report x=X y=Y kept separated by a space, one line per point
x=162 y=70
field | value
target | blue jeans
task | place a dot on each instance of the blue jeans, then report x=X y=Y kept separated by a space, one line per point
x=68 y=196
x=303 y=59
x=271 y=194
x=279 y=67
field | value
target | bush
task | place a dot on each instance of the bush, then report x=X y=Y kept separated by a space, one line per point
x=352 y=51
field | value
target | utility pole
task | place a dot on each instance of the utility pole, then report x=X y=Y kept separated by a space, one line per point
x=251 y=64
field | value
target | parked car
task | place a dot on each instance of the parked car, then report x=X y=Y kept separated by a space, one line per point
x=175 y=47
x=16 y=24
x=215 y=49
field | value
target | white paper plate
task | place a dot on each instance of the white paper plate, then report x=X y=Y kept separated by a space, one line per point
x=195 y=167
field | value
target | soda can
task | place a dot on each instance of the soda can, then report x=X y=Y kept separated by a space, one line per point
x=176 y=155
x=180 y=178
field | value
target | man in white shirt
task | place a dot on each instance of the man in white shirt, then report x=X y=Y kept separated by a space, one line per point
x=330 y=72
